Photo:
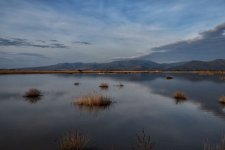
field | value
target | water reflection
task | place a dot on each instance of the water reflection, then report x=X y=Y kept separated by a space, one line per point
x=32 y=100
x=146 y=101
x=92 y=109
x=202 y=90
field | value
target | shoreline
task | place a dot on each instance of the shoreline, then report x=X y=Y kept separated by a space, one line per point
x=203 y=72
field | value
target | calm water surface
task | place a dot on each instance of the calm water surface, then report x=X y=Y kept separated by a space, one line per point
x=145 y=102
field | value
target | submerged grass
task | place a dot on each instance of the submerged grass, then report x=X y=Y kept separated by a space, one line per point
x=74 y=141
x=93 y=100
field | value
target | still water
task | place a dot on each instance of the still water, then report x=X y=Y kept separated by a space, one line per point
x=144 y=102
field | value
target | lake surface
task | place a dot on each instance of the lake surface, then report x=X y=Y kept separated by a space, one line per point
x=144 y=102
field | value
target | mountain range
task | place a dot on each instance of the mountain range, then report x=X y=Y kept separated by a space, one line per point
x=137 y=64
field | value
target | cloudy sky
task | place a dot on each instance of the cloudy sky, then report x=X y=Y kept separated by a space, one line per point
x=43 y=32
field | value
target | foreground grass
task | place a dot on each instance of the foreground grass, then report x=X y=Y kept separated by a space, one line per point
x=218 y=146
x=78 y=141
x=143 y=142
x=74 y=141
x=93 y=100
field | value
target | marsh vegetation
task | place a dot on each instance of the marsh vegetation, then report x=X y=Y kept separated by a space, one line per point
x=93 y=100
x=33 y=93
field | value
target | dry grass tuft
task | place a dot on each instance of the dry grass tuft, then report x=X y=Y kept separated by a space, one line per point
x=32 y=93
x=74 y=141
x=144 y=142
x=180 y=95
x=104 y=85
x=94 y=100
x=222 y=99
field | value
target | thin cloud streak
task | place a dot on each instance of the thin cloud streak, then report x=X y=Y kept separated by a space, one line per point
x=25 y=42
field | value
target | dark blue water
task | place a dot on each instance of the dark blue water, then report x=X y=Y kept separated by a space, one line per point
x=145 y=102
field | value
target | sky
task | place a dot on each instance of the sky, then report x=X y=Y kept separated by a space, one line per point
x=44 y=32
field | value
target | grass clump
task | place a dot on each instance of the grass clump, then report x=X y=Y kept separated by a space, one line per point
x=94 y=100
x=33 y=93
x=180 y=95
x=222 y=99
x=74 y=141
x=104 y=85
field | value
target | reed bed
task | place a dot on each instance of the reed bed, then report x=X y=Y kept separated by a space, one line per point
x=93 y=100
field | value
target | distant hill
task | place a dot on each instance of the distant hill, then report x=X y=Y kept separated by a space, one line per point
x=218 y=64
x=136 y=64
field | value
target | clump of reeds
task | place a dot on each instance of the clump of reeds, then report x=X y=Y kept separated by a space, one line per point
x=180 y=95
x=74 y=141
x=219 y=146
x=104 y=85
x=143 y=142
x=33 y=93
x=169 y=77
x=222 y=99
x=76 y=83
x=93 y=100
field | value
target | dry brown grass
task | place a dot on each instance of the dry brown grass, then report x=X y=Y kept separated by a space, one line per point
x=104 y=85
x=219 y=146
x=222 y=99
x=32 y=93
x=74 y=141
x=180 y=95
x=93 y=100
x=143 y=142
